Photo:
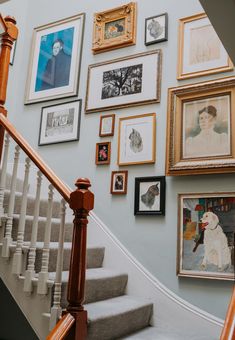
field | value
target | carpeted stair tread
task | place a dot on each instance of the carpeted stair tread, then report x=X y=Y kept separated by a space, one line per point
x=101 y=284
x=31 y=204
x=114 y=318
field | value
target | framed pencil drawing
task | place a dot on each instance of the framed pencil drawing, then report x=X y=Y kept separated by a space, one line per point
x=156 y=29
x=55 y=60
x=107 y=125
x=123 y=82
x=206 y=234
x=103 y=152
x=149 y=196
x=114 y=28
x=119 y=182
x=200 y=51
x=201 y=128
x=137 y=139
x=60 y=123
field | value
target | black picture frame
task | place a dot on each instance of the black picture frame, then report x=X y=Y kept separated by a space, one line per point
x=73 y=118
x=157 y=35
x=148 y=194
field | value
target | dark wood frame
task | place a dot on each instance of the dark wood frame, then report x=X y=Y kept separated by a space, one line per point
x=166 y=30
x=113 y=124
x=162 y=181
x=125 y=175
x=78 y=123
x=13 y=52
x=97 y=162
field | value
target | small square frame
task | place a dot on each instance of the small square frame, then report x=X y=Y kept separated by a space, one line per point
x=119 y=182
x=103 y=156
x=107 y=125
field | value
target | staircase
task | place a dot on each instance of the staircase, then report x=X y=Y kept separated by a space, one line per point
x=111 y=313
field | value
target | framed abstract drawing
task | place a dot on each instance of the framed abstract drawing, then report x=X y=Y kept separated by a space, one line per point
x=137 y=139
x=200 y=51
x=60 y=123
x=149 y=196
x=156 y=29
x=201 y=128
x=103 y=152
x=114 y=28
x=119 y=182
x=123 y=82
x=107 y=125
x=206 y=234
x=55 y=60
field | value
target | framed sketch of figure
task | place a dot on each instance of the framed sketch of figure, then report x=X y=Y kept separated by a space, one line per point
x=55 y=60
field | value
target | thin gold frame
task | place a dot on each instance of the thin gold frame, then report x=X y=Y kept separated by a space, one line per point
x=175 y=164
x=126 y=12
x=180 y=74
x=153 y=158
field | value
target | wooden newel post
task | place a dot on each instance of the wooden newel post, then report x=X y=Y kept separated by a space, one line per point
x=81 y=201
x=7 y=40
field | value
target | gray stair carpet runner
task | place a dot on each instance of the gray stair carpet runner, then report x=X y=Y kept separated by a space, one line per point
x=111 y=313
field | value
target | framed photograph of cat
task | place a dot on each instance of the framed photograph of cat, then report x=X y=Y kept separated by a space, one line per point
x=150 y=195
x=137 y=139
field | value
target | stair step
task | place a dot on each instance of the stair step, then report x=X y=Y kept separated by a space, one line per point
x=101 y=284
x=31 y=204
x=114 y=318
x=55 y=227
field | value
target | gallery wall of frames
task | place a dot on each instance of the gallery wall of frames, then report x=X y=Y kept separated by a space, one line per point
x=199 y=107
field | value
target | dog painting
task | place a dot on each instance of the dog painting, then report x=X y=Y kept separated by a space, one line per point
x=206 y=236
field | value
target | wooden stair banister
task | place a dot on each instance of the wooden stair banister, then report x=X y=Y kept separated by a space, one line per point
x=228 y=332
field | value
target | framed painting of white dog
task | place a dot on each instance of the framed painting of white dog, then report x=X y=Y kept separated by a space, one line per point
x=149 y=195
x=206 y=230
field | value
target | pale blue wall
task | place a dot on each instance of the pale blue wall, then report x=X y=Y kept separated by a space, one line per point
x=152 y=240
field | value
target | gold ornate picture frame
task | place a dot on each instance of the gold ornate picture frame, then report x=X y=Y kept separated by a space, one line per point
x=114 y=28
x=201 y=128
x=200 y=52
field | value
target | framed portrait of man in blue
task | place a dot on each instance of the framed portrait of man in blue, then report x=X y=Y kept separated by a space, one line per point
x=55 y=60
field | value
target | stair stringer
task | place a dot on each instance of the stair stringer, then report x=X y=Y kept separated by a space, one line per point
x=171 y=313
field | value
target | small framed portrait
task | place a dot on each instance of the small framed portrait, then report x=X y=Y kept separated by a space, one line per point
x=124 y=82
x=114 y=28
x=201 y=128
x=149 y=196
x=137 y=139
x=156 y=29
x=107 y=125
x=200 y=51
x=56 y=46
x=13 y=51
x=206 y=234
x=119 y=182
x=60 y=123
x=103 y=152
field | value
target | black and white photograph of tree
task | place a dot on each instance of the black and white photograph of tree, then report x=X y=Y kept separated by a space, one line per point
x=122 y=81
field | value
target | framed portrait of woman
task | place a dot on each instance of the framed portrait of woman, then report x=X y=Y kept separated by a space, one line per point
x=201 y=128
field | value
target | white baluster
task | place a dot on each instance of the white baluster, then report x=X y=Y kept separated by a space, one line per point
x=43 y=275
x=7 y=240
x=56 y=308
x=17 y=258
x=30 y=272
x=3 y=175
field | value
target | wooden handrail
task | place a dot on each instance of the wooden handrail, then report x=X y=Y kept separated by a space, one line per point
x=62 y=328
x=228 y=332
x=48 y=173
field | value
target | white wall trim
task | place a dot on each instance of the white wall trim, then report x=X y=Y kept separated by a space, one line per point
x=154 y=281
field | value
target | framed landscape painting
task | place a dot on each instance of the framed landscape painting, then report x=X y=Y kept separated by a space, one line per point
x=55 y=60
x=201 y=128
x=123 y=82
x=137 y=139
x=206 y=234
x=150 y=195
x=114 y=28
x=200 y=51
x=60 y=123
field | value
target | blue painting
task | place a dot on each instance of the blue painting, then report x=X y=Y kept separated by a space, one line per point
x=54 y=62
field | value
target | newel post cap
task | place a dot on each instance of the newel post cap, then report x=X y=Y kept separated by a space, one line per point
x=82 y=197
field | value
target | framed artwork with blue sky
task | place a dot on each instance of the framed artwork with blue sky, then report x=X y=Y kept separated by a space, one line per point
x=55 y=60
